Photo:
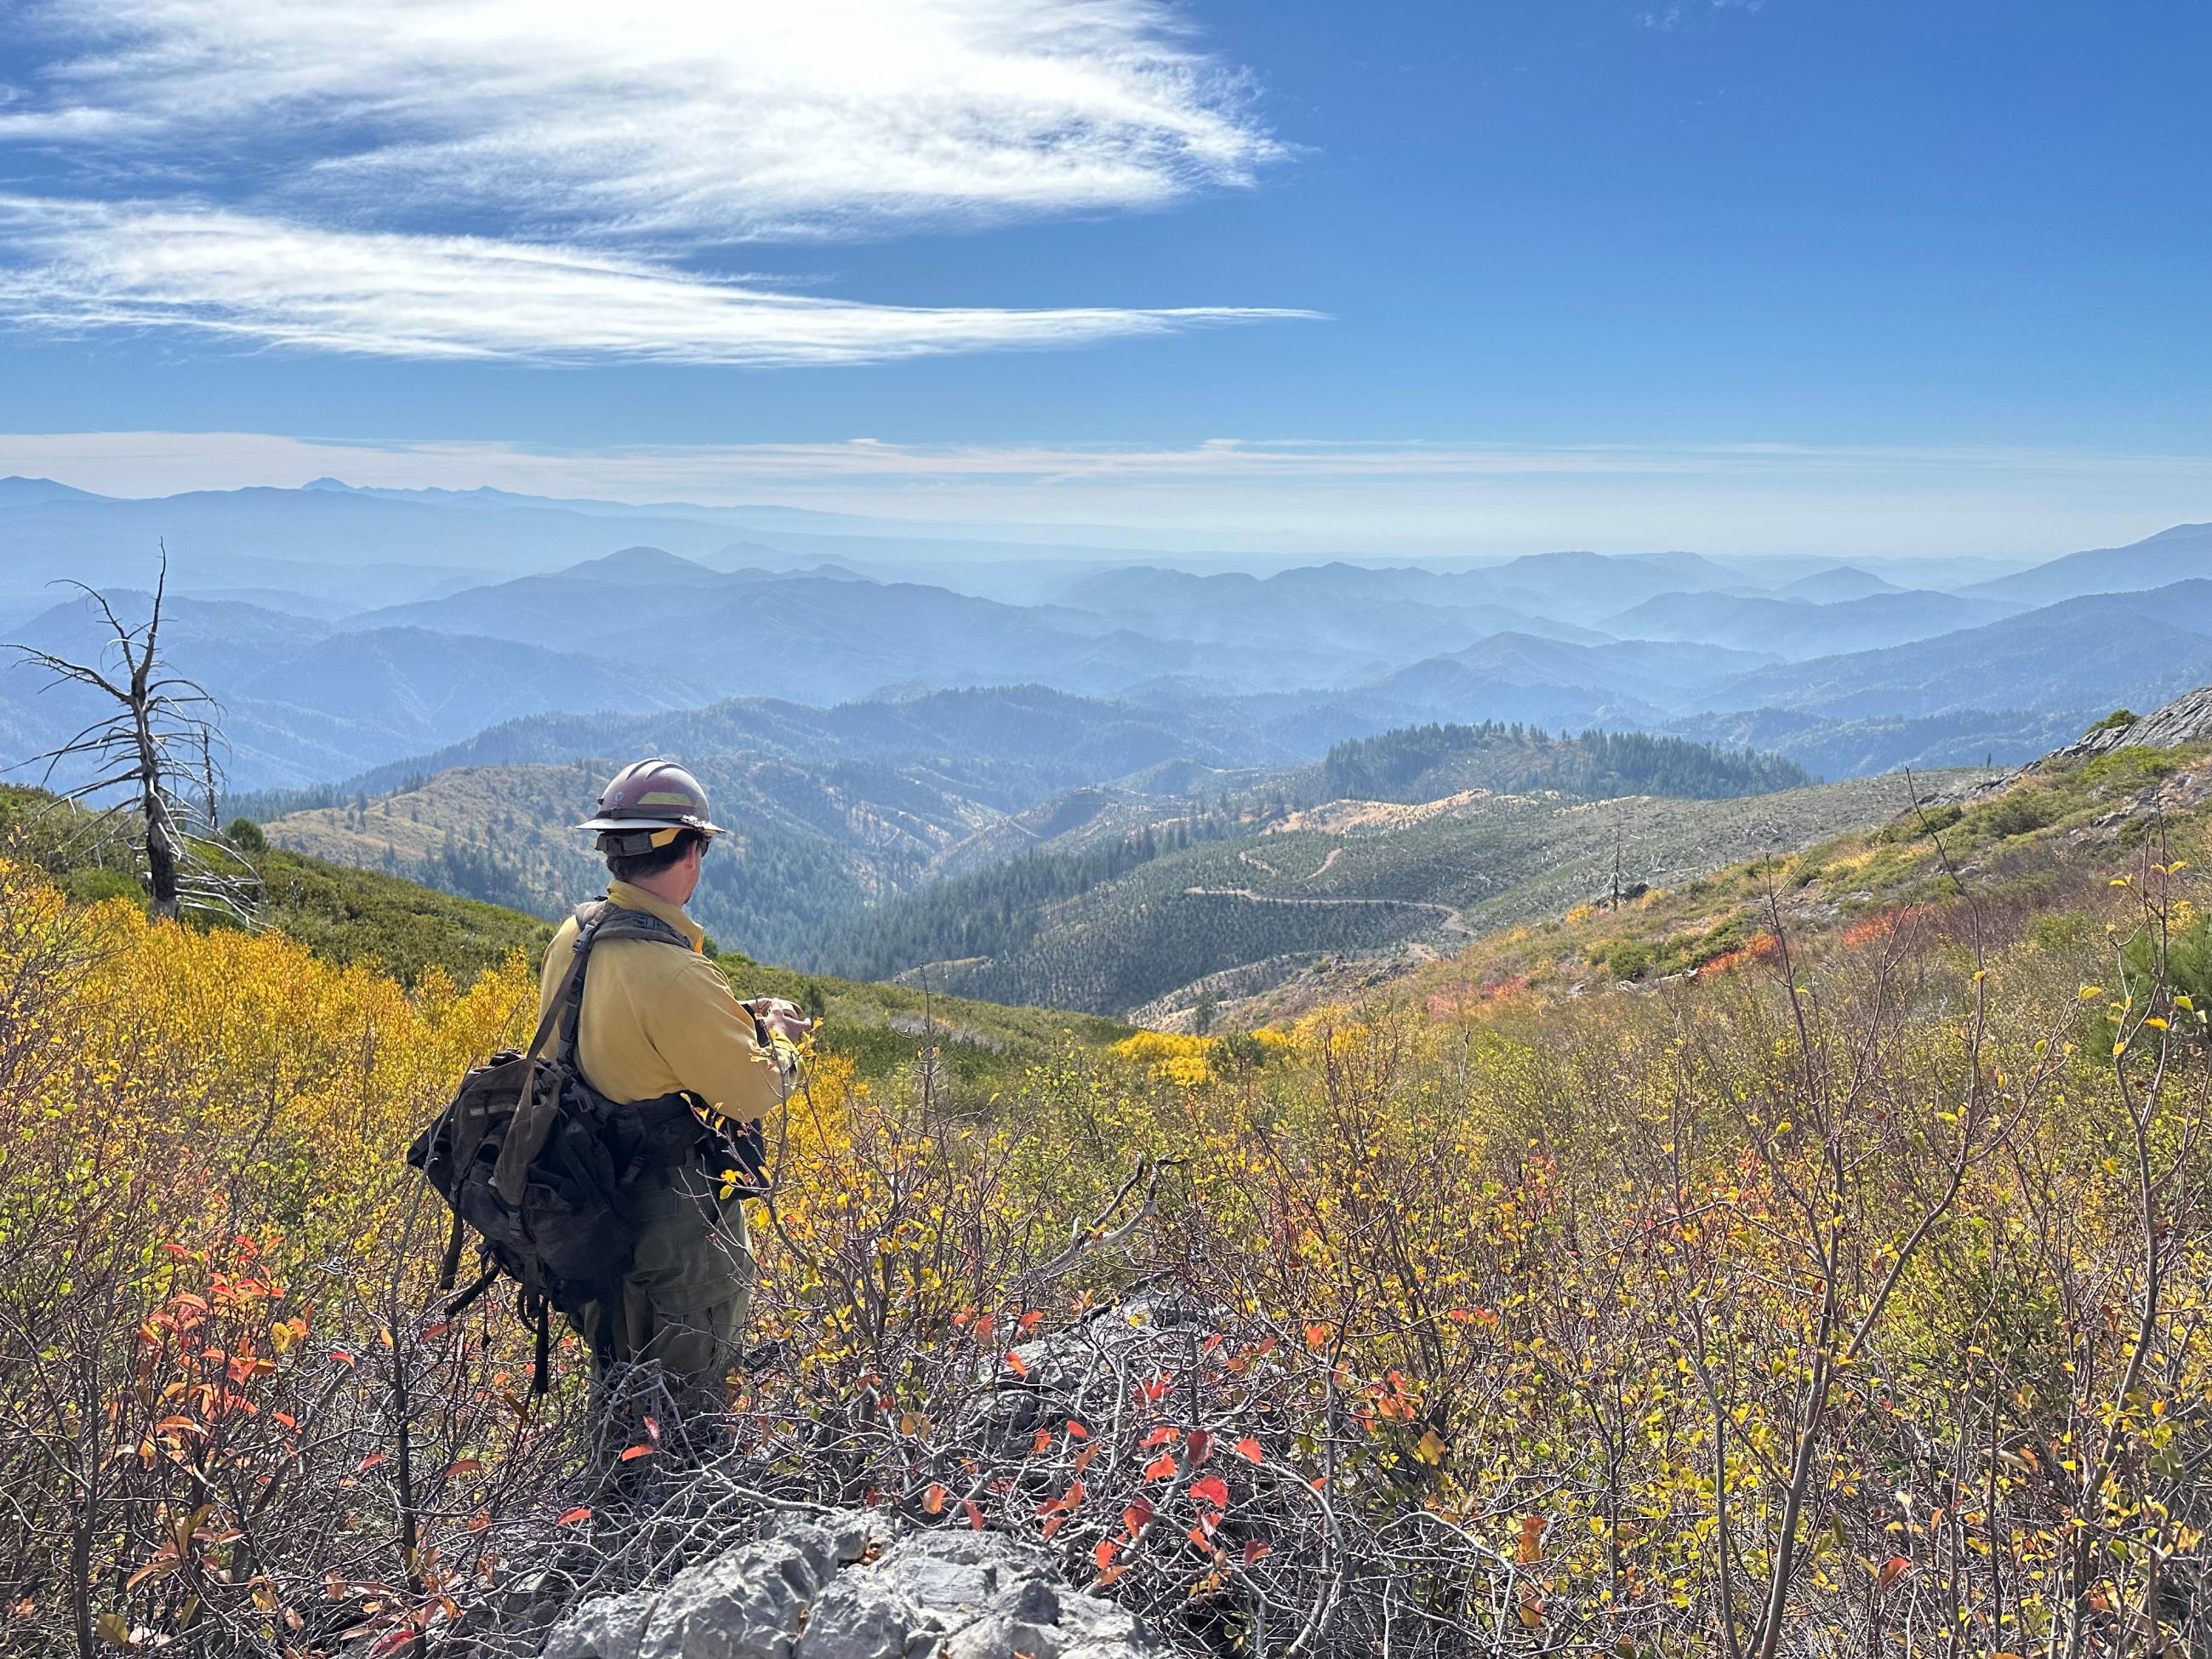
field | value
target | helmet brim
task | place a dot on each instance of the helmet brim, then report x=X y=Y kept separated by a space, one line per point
x=603 y=825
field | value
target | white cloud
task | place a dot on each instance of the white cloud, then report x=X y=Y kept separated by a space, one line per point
x=705 y=118
x=87 y=266
x=292 y=173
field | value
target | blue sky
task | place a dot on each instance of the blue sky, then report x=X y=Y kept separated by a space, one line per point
x=1805 y=274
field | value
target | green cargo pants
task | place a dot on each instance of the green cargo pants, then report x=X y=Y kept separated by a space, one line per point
x=684 y=1301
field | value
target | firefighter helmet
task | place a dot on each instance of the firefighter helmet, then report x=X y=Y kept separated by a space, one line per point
x=645 y=805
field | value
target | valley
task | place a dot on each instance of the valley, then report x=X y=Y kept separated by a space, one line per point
x=1117 y=780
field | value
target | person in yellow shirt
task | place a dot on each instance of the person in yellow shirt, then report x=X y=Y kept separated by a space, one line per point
x=656 y=1021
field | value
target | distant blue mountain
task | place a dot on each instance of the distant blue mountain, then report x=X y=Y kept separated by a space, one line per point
x=2172 y=556
x=31 y=492
x=2100 y=651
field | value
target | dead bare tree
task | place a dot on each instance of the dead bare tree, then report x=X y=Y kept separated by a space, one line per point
x=153 y=746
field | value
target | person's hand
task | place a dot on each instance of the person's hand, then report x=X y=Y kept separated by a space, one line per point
x=782 y=1018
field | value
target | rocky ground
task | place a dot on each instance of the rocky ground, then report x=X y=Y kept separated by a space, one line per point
x=842 y=1587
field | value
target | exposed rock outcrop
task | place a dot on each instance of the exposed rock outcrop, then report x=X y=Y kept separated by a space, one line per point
x=844 y=1588
x=2187 y=719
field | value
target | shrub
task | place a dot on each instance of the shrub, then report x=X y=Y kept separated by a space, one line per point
x=1596 y=1323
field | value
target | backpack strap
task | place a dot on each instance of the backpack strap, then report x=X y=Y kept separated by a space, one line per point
x=534 y=1113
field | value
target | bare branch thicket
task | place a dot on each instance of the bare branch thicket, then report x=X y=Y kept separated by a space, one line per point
x=153 y=756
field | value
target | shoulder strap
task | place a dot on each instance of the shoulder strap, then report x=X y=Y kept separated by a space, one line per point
x=533 y=1118
x=599 y=919
x=534 y=1109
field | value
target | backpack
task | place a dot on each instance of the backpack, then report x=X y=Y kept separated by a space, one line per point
x=541 y=1166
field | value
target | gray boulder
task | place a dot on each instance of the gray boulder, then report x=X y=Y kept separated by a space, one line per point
x=843 y=1589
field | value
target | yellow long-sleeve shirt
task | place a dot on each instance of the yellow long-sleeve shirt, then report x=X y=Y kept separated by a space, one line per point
x=656 y=1020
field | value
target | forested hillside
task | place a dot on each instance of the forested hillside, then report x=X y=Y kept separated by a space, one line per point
x=1112 y=929
x=809 y=845
x=862 y=866
x=1425 y=762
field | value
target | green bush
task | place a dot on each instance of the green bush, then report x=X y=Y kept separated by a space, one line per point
x=1913 y=826
x=1631 y=959
x=2127 y=769
x=92 y=883
x=2017 y=813
x=2188 y=974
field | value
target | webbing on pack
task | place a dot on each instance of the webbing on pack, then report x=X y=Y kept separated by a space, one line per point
x=534 y=1112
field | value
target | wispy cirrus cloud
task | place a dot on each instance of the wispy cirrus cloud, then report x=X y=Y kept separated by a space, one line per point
x=300 y=173
x=266 y=281
x=710 y=118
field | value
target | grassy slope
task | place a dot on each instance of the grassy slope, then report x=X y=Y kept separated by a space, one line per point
x=2028 y=847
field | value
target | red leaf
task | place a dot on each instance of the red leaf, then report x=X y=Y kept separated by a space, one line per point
x=1249 y=1450
x=932 y=1501
x=1054 y=1525
x=1529 y=1548
x=1254 y=1549
x=1895 y=1568
x=579 y=1513
x=463 y=1466
x=974 y=1513
x=1212 y=1490
x=369 y=1462
x=1162 y=1467
x=1017 y=1364
x=1103 y=1551
x=1028 y=1321
x=630 y=1454
x=1079 y=1431
x=1042 y=1444
x=1159 y=1437
x=1199 y=1446
x=1138 y=1515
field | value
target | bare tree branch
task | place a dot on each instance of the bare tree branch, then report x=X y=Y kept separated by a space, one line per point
x=158 y=739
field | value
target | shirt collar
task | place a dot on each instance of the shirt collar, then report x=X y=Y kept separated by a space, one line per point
x=631 y=897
